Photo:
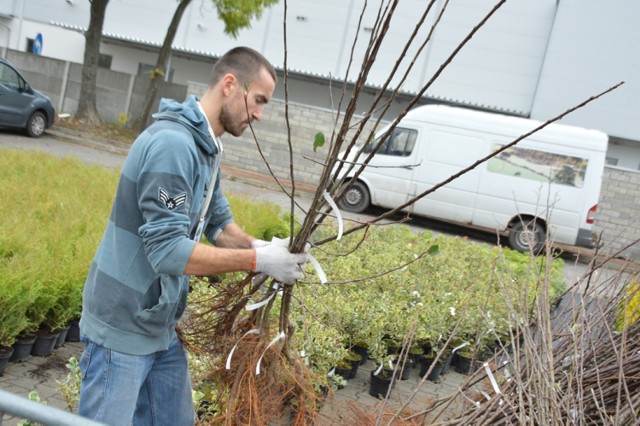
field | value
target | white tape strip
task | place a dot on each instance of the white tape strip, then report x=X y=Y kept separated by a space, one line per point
x=459 y=347
x=254 y=331
x=334 y=206
x=260 y=304
x=378 y=370
x=275 y=339
x=319 y=270
x=491 y=378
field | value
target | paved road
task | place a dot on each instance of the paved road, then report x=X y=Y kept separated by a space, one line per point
x=51 y=145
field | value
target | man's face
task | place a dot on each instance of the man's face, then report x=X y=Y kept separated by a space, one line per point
x=236 y=115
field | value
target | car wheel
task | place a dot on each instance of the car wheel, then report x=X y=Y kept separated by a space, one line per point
x=36 y=124
x=356 y=199
x=527 y=237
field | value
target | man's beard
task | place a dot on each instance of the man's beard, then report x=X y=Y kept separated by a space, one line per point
x=232 y=126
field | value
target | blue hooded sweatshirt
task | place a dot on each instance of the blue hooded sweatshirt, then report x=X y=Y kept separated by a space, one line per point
x=135 y=291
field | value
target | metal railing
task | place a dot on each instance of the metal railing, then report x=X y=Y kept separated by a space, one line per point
x=48 y=416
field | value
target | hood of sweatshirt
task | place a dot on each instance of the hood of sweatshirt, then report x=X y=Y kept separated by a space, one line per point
x=189 y=115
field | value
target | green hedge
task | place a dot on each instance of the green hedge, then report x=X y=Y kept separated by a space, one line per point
x=51 y=220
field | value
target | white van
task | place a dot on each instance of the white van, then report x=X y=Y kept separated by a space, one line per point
x=549 y=181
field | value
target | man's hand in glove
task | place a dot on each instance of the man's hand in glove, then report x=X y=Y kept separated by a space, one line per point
x=276 y=261
x=284 y=242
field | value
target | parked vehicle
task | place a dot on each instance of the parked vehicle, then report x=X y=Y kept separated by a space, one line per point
x=22 y=107
x=547 y=184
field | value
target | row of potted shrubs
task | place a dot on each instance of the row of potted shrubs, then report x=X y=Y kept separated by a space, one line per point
x=434 y=294
x=49 y=232
x=442 y=295
x=41 y=344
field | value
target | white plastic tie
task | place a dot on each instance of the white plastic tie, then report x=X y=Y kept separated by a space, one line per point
x=459 y=347
x=260 y=304
x=321 y=275
x=253 y=331
x=334 y=206
x=275 y=339
x=492 y=379
x=378 y=370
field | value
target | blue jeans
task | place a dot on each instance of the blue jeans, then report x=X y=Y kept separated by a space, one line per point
x=118 y=389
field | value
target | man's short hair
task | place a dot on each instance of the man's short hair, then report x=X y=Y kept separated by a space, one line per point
x=244 y=63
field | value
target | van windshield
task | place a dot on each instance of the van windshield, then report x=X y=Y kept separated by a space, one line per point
x=399 y=143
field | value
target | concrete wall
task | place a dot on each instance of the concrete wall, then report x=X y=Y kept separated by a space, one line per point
x=617 y=216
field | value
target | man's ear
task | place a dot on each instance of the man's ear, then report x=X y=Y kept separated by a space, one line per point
x=229 y=84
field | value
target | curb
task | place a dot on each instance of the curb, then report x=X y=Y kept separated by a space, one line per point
x=80 y=138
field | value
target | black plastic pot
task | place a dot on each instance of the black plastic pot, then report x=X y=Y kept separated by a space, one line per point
x=406 y=373
x=62 y=337
x=22 y=348
x=464 y=364
x=379 y=385
x=436 y=371
x=5 y=354
x=362 y=351
x=73 y=335
x=45 y=343
x=446 y=364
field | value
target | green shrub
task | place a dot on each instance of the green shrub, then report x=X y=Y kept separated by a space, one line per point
x=51 y=222
x=261 y=219
x=50 y=230
x=427 y=291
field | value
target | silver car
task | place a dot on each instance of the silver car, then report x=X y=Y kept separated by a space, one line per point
x=22 y=107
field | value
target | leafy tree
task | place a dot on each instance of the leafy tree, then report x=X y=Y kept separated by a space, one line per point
x=87 y=103
x=236 y=14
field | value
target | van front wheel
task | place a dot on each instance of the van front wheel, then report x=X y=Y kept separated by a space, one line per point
x=527 y=237
x=356 y=199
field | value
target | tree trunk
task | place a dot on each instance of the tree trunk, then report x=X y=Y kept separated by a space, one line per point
x=161 y=66
x=87 y=110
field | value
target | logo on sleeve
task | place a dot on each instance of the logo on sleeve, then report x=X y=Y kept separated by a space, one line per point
x=172 y=202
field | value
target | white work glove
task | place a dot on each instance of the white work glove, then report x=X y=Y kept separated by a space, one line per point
x=276 y=261
x=284 y=242
x=259 y=243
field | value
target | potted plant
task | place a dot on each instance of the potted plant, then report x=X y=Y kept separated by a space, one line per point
x=320 y=348
x=13 y=320
x=383 y=376
x=16 y=327
x=347 y=367
x=43 y=303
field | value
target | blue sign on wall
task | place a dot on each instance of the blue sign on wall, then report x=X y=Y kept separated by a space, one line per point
x=37 y=44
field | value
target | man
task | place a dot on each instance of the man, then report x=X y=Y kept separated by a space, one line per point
x=134 y=368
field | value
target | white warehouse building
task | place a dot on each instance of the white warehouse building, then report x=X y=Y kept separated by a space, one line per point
x=533 y=58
